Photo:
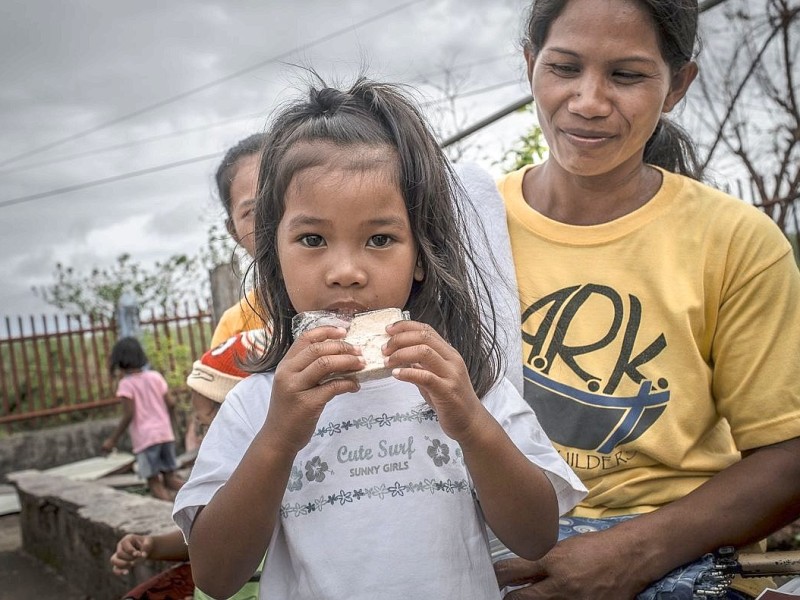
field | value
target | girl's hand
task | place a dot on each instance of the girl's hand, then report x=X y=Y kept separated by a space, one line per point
x=131 y=549
x=439 y=372
x=298 y=397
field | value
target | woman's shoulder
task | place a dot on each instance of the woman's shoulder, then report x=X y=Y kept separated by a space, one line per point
x=721 y=210
x=241 y=316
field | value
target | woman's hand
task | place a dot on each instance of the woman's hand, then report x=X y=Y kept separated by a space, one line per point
x=589 y=566
x=131 y=549
x=439 y=372
x=298 y=397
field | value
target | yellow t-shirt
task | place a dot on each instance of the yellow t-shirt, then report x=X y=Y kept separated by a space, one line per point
x=658 y=345
x=239 y=317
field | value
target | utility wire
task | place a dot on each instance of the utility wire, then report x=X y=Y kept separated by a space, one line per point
x=129 y=144
x=456 y=68
x=163 y=136
x=180 y=163
x=208 y=85
x=514 y=106
x=475 y=92
x=96 y=182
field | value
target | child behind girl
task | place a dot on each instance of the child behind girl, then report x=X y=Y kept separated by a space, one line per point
x=147 y=408
x=378 y=489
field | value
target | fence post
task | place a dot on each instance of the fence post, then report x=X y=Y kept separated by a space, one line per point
x=128 y=316
x=225 y=286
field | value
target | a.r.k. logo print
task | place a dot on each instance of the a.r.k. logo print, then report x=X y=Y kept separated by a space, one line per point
x=592 y=416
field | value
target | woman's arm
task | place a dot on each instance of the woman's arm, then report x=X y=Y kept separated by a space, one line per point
x=740 y=505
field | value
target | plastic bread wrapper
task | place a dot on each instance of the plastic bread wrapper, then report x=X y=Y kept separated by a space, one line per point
x=366 y=330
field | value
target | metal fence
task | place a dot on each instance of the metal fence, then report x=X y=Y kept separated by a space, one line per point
x=59 y=364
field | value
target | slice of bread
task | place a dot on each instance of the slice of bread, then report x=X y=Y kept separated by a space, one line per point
x=368 y=331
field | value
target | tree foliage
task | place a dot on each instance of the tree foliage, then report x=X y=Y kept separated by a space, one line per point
x=529 y=148
x=97 y=292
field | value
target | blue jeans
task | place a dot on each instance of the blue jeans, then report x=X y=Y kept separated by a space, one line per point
x=159 y=458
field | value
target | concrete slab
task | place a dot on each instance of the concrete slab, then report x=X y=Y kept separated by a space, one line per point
x=9 y=503
x=91 y=469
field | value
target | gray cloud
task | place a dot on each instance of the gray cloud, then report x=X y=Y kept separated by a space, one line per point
x=69 y=67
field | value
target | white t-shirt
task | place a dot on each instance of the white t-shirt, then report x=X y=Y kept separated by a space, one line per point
x=379 y=504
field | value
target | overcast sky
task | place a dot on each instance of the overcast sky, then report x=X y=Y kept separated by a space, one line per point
x=95 y=90
x=72 y=67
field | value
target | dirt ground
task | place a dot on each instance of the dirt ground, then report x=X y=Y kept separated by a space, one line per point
x=22 y=577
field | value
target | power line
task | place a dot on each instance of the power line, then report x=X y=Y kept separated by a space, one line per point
x=96 y=182
x=208 y=85
x=447 y=142
x=128 y=144
x=180 y=163
x=464 y=66
x=475 y=92
x=207 y=126
x=157 y=168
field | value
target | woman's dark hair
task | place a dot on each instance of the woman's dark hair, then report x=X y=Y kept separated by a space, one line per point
x=227 y=168
x=127 y=354
x=670 y=147
x=377 y=115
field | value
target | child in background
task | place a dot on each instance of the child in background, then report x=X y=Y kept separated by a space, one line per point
x=378 y=489
x=212 y=377
x=147 y=416
x=237 y=180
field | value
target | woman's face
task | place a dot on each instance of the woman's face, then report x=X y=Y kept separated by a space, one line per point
x=600 y=85
x=243 y=203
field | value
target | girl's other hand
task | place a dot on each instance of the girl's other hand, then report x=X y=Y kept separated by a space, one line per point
x=131 y=549
x=298 y=397
x=439 y=372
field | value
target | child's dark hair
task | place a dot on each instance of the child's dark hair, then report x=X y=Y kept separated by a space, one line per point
x=127 y=355
x=379 y=115
x=675 y=23
x=227 y=168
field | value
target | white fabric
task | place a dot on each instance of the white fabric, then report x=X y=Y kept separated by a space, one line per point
x=485 y=215
x=379 y=503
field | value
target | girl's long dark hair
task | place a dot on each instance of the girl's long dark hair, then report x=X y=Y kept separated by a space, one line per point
x=378 y=115
x=675 y=21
